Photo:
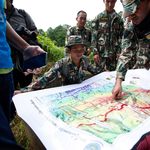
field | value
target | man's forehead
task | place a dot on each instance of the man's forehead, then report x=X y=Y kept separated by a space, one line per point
x=110 y=1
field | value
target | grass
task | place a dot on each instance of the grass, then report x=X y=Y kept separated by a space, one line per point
x=19 y=133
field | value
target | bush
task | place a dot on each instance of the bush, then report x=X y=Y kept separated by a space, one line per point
x=54 y=53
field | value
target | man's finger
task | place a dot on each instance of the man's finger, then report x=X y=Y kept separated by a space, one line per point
x=113 y=97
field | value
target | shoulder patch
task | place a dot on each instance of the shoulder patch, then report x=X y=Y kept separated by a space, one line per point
x=93 y=24
x=68 y=32
x=56 y=66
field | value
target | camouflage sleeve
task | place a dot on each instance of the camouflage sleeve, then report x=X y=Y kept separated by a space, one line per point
x=46 y=79
x=128 y=51
x=94 y=37
x=89 y=40
x=120 y=35
x=93 y=69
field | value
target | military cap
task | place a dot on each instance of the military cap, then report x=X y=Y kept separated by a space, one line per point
x=129 y=7
x=74 y=40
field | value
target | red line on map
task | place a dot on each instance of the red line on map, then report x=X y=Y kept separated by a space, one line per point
x=86 y=125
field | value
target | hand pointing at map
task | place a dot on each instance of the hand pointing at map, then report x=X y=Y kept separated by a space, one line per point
x=117 y=90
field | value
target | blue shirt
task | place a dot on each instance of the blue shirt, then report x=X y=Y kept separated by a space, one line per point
x=5 y=51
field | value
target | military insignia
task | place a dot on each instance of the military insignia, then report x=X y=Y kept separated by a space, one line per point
x=68 y=33
x=93 y=24
x=104 y=19
x=56 y=66
x=148 y=35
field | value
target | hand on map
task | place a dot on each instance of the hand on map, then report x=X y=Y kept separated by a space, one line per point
x=117 y=90
x=16 y=92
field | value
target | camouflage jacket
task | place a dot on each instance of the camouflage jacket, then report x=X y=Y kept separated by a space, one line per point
x=85 y=34
x=106 y=34
x=72 y=75
x=133 y=47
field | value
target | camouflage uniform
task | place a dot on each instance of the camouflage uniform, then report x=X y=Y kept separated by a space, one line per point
x=74 y=75
x=106 y=38
x=85 y=33
x=132 y=46
x=66 y=68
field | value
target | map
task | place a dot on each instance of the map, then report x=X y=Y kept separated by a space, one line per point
x=89 y=108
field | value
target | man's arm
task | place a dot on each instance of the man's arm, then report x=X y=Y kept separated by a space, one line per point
x=46 y=79
x=28 y=51
x=128 y=51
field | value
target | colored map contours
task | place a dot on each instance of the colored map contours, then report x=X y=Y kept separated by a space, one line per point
x=89 y=108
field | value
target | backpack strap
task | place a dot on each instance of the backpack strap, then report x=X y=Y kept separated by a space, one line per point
x=65 y=67
x=86 y=59
x=22 y=12
x=74 y=30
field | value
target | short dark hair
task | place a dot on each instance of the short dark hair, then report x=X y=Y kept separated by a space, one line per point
x=81 y=11
x=11 y=1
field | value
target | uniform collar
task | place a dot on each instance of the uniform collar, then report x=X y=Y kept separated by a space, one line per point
x=82 y=63
x=77 y=28
x=106 y=13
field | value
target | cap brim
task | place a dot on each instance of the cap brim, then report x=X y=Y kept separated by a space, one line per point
x=131 y=9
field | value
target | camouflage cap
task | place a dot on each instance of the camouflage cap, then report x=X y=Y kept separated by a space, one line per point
x=129 y=7
x=74 y=40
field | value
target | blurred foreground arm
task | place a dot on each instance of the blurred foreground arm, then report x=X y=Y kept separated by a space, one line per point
x=28 y=51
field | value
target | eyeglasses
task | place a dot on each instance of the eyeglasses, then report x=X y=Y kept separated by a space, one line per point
x=78 y=50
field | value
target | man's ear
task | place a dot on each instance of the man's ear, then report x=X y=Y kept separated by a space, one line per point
x=148 y=3
x=69 y=50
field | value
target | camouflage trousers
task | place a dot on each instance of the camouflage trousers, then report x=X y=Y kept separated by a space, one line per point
x=107 y=63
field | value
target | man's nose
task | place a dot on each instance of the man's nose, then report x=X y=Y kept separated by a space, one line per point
x=131 y=16
x=110 y=4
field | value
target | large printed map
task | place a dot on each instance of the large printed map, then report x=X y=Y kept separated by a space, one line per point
x=89 y=108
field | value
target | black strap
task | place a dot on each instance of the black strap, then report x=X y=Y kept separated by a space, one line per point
x=8 y=18
x=22 y=12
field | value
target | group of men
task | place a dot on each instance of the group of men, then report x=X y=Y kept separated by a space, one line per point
x=108 y=41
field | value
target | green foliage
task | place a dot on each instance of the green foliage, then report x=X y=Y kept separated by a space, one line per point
x=19 y=133
x=41 y=32
x=58 y=34
x=88 y=24
x=54 y=52
x=91 y=58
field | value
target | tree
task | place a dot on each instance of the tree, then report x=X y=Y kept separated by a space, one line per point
x=88 y=24
x=41 y=32
x=58 y=34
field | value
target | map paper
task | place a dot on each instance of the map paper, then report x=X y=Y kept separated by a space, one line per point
x=85 y=115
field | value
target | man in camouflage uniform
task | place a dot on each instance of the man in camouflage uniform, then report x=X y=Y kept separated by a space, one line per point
x=80 y=29
x=73 y=68
x=137 y=34
x=107 y=31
